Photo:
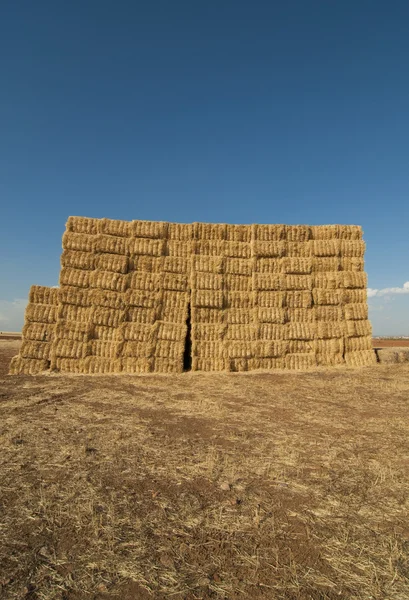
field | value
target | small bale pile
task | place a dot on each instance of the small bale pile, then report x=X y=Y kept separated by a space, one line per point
x=136 y=297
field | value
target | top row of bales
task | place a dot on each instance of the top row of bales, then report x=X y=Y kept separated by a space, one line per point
x=213 y=231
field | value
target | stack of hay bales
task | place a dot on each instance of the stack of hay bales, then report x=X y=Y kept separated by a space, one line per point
x=258 y=296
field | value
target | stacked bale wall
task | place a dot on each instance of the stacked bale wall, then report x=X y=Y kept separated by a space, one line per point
x=257 y=296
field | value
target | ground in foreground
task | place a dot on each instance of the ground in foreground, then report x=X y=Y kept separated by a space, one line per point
x=289 y=486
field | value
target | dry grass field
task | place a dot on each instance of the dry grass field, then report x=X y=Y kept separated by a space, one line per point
x=213 y=486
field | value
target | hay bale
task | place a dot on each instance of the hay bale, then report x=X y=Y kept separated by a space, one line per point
x=205 y=364
x=297 y=282
x=238 y=283
x=356 y=312
x=41 y=313
x=300 y=346
x=237 y=316
x=175 y=282
x=107 y=280
x=83 y=225
x=40 y=294
x=297 y=233
x=351 y=263
x=136 y=365
x=149 y=282
x=176 y=264
x=81 y=242
x=355 y=249
x=237 y=365
x=324 y=264
x=327 y=297
x=112 y=244
x=269 y=265
x=327 y=281
x=353 y=280
x=349 y=232
x=109 y=299
x=164 y=365
x=108 y=317
x=170 y=350
x=208 y=349
x=298 y=299
x=35 y=349
x=104 y=349
x=358 y=328
x=300 y=315
x=79 y=332
x=75 y=277
x=236 y=249
x=207 y=264
x=237 y=349
x=324 y=232
x=148 y=264
x=329 y=346
x=78 y=260
x=265 y=364
x=115 y=227
x=269 y=249
x=299 y=249
x=238 y=233
x=137 y=332
x=362 y=358
x=353 y=296
x=271 y=315
x=300 y=362
x=326 y=247
x=69 y=365
x=134 y=349
x=269 y=281
x=27 y=366
x=272 y=331
x=238 y=300
x=74 y=295
x=238 y=266
x=297 y=266
x=182 y=232
x=269 y=233
x=330 y=329
x=173 y=332
x=112 y=262
x=328 y=313
x=271 y=349
x=40 y=332
x=107 y=334
x=155 y=229
x=72 y=312
x=101 y=366
x=240 y=332
x=209 y=231
x=178 y=248
x=64 y=348
x=330 y=360
x=357 y=344
x=208 y=332
x=300 y=331
x=147 y=247
x=207 y=299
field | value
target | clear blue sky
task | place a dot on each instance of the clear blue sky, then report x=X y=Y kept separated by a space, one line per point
x=227 y=111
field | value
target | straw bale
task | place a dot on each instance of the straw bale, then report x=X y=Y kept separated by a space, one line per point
x=358 y=328
x=175 y=264
x=40 y=294
x=164 y=365
x=108 y=317
x=329 y=313
x=265 y=363
x=171 y=350
x=329 y=360
x=137 y=349
x=300 y=362
x=323 y=264
x=175 y=282
x=74 y=295
x=330 y=329
x=207 y=264
x=71 y=349
x=326 y=247
x=107 y=280
x=241 y=332
x=149 y=264
x=41 y=332
x=238 y=233
x=181 y=232
x=205 y=349
x=238 y=283
x=79 y=241
x=238 y=266
x=144 y=281
x=108 y=299
x=178 y=248
x=297 y=282
x=72 y=312
x=174 y=315
x=236 y=249
x=141 y=298
x=209 y=231
x=240 y=349
x=115 y=227
x=300 y=331
x=147 y=247
x=301 y=346
x=323 y=232
x=78 y=260
x=269 y=265
x=351 y=263
x=271 y=315
x=238 y=299
x=104 y=349
x=237 y=316
x=269 y=249
x=356 y=344
x=27 y=366
x=268 y=281
x=300 y=315
x=145 y=316
x=107 y=334
x=175 y=300
x=136 y=365
x=298 y=299
x=82 y=225
x=349 y=232
x=112 y=244
x=329 y=346
x=173 y=332
x=362 y=358
x=327 y=281
x=75 y=277
x=269 y=233
x=210 y=247
x=299 y=249
x=349 y=296
x=297 y=266
x=353 y=279
x=206 y=364
x=269 y=331
x=35 y=349
x=78 y=332
x=208 y=332
x=272 y=349
x=101 y=366
x=41 y=313
x=207 y=298
x=355 y=249
x=151 y=229
x=271 y=299
x=325 y=297
x=112 y=262
x=356 y=312
x=237 y=365
x=69 y=365
x=297 y=233
x=137 y=332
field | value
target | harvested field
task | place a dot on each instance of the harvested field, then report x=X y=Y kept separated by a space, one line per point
x=214 y=486
x=391 y=343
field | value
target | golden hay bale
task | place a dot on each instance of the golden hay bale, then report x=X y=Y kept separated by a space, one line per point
x=237 y=365
x=41 y=313
x=297 y=282
x=297 y=266
x=207 y=315
x=41 y=332
x=75 y=277
x=175 y=264
x=71 y=312
x=270 y=331
x=327 y=281
x=270 y=299
x=269 y=233
x=268 y=265
x=69 y=365
x=353 y=279
x=74 y=295
x=104 y=349
x=206 y=364
x=323 y=264
x=115 y=227
x=149 y=264
x=326 y=247
x=234 y=349
x=173 y=315
x=238 y=283
x=324 y=232
x=134 y=349
x=71 y=349
x=209 y=231
x=327 y=297
x=300 y=315
x=145 y=316
x=362 y=358
x=268 y=281
x=108 y=299
x=297 y=233
x=108 y=334
x=137 y=332
x=241 y=332
x=356 y=312
x=112 y=244
x=178 y=248
x=151 y=229
x=79 y=241
x=300 y=362
x=358 y=328
x=27 y=366
x=269 y=249
x=237 y=316
x=298 y=299
x=207 y=264
x=209 y=247
x=351 y=263
x=112 y=262
x=299 y=249
x=349 y=232
x=238 y=233
x=265 y=364
x=79 y=332
x=301 y=346
x=169 y=349
x=40 y=294
x=236 y=249
x=136 y=365
x=182 y=232
x=165 y=365
x=238 y=299
x=144 y=281
x=356 y=344
x=107 y=280
x=208 y=349
x=175 y=282
x=349 y=296
x=140 y=298
x=35 y=349
x=330 y=360
x=238 y=266
x=78 y=260
x=173 y=332
x=329 y=346
x=108 y=317
x=330 y=329
x=208 y=332
x=271 y=315
x=300 y=331
x=328 y=313
x=271 y=349
x=207 y=299
x=146 y=246
x=354 y=249
x=82 y=225
x=98 y=365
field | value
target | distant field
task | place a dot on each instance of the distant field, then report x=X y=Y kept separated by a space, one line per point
x=390 y=343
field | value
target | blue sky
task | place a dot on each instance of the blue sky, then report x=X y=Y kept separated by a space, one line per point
x=228 y=111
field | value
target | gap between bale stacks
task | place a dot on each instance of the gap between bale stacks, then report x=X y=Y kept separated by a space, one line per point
x=258 y=296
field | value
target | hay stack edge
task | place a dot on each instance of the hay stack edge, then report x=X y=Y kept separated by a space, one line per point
x=155 y=297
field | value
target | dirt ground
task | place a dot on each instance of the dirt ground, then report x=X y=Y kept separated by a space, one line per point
x=213 y=486
x=390 y=343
